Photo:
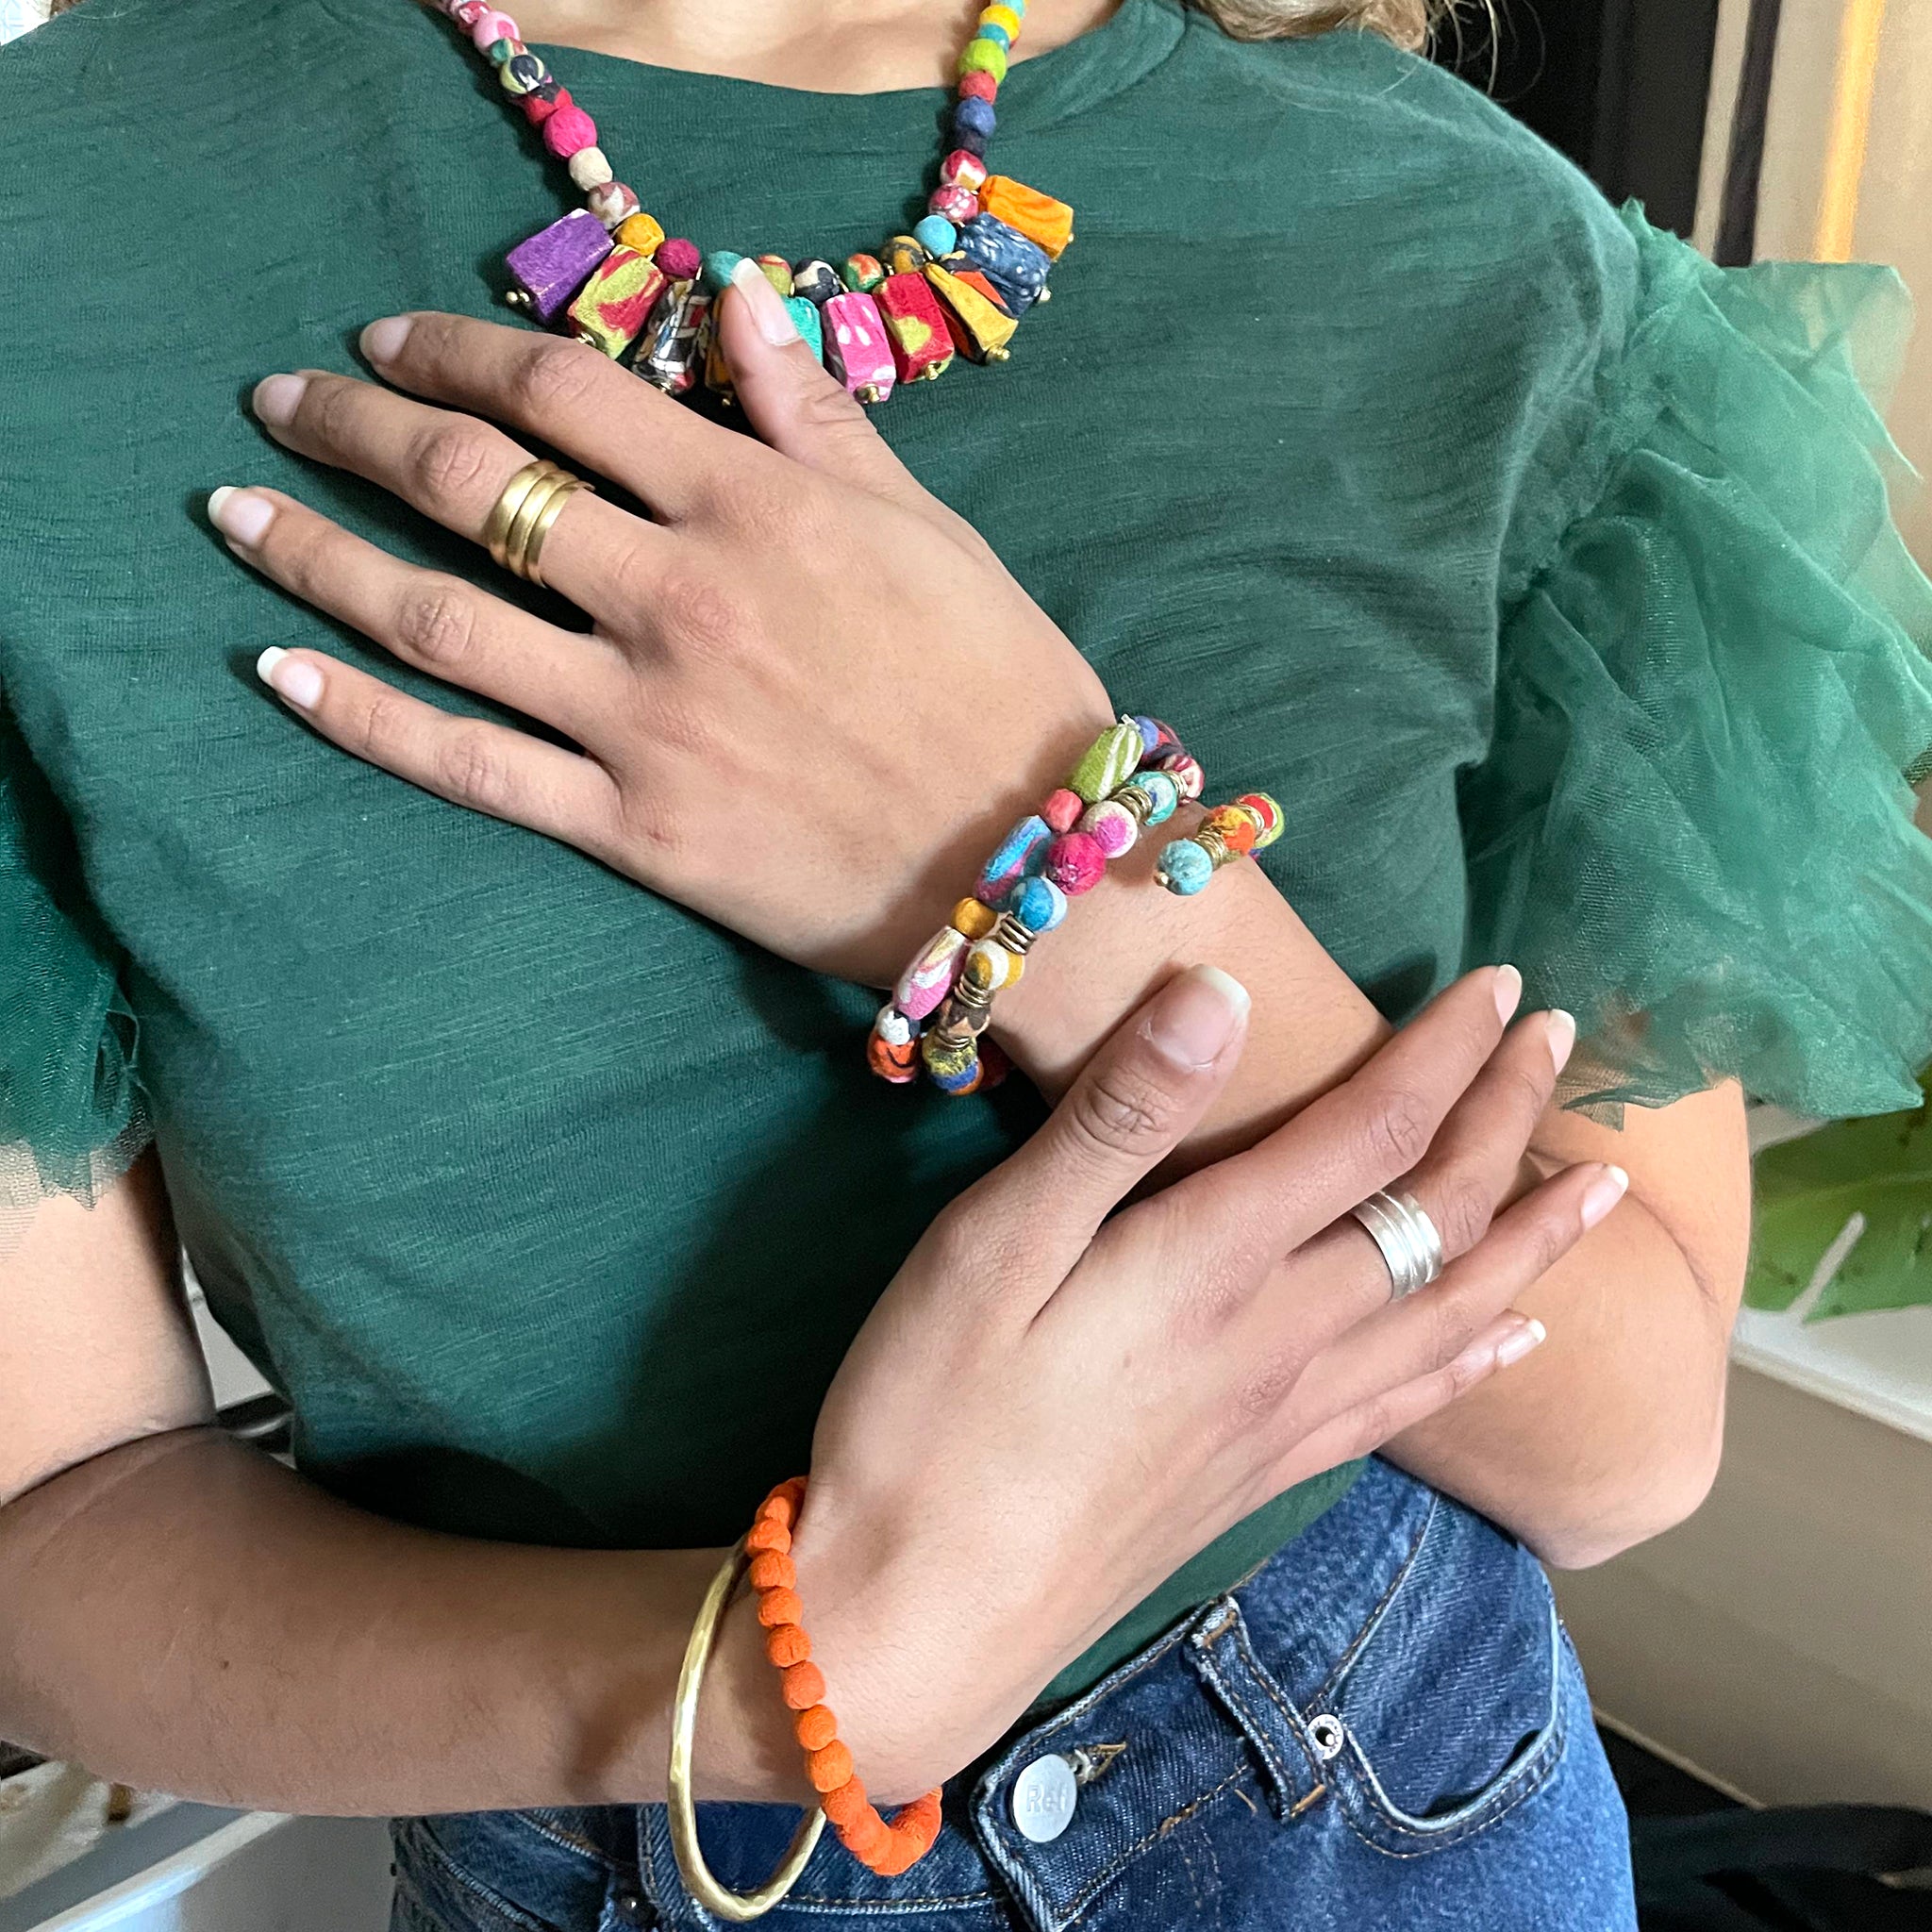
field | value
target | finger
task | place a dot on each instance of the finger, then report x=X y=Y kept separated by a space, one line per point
x=470 y=761
x=1255 y=1207
x=795 y=403
x=565 y=392
x=1377 y=1421
x=1430 y=1329
x=452 y=469
x=436 y=622
x=1136 y=1101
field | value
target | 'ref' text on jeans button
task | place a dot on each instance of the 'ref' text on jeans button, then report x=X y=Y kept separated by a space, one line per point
x=1044 y=1796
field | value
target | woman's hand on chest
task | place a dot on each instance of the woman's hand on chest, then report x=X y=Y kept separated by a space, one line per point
x=813 y=697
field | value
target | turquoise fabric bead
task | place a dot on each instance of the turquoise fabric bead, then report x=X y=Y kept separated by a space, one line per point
x=935 y=235
x=805 y=317
x=992 y=30
x=718 y=267
x=1185 y=868
x=1038 y=904
x=1165 y=793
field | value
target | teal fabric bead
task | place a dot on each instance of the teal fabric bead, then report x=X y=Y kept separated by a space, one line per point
x=1037 y=904
x=1165 y=793
x=804 y=318
x=1184 y=868
x=935 y=235
x=992 y=30
x=718 y=267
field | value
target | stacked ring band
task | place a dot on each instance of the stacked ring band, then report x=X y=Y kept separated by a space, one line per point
x=1408 y=1238
x=523 y=515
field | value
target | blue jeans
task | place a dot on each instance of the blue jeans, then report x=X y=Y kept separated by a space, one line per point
x=1383 y=1728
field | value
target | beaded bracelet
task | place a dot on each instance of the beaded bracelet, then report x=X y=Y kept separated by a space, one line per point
x=887 y=1848
x=1251 y=824
x=1135 y=773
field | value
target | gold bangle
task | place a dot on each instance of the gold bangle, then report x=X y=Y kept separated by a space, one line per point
x=510 y=500
x=735 y=1908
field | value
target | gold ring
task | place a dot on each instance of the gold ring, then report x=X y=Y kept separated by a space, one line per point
x=735 y=1908
x=523 y=514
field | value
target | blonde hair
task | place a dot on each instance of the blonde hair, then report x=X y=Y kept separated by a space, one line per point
x=1407 y=22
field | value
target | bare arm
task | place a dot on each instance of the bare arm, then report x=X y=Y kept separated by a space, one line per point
x=175 y=1609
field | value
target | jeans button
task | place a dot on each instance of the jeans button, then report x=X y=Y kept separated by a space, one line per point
x=1044 y=1796
x=627 y=1902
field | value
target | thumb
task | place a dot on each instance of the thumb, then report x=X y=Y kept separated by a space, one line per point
x=792 y=400
x=1140 y=1096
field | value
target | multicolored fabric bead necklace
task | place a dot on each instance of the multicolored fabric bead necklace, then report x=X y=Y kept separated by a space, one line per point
x=957 y=286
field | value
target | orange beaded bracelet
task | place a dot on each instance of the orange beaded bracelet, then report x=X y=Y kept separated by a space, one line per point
x=887 y=1848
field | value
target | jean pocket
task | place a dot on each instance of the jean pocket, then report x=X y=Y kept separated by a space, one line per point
x=433 y=1890
x=1449 y=1708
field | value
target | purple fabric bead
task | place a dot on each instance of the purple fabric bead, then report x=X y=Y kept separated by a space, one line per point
x=973 y=143
x=556 y=262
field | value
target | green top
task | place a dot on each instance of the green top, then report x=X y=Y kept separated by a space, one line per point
x=1540 y=572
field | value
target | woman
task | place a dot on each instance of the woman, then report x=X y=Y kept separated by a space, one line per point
x=555 y=1207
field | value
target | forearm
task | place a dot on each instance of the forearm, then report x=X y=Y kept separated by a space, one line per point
x=188 y=1615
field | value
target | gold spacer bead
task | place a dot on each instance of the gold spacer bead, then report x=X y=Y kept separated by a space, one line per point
x=1009 y=933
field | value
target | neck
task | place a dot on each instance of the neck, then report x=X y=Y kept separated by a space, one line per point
x=826 y=47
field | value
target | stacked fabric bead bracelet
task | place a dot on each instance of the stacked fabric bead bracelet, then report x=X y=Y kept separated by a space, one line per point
x=958 y=285
x=1134 y=774
x=887 y=1848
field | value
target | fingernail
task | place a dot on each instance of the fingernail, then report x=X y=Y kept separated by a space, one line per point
x=1196 y=1016
x=382 y=342
x=240 y=515
x=289 y=678
x=1508 y=991
x=277 y=398
x=1602 y=1195
x=1563 y=1036
x=1519 y=1341
x=767 y=310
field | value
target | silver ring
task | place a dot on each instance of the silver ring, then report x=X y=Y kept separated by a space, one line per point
x=1410 y=1246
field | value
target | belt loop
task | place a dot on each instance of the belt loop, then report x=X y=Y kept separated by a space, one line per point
x=1223 y=1658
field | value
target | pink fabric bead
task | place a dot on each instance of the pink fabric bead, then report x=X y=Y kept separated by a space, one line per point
x=466 y=14
x=611 y=201
x=957 y=205
x=679 y=258
x=491 y=26
x=1074 y=864
x=1111 y=826
x=569 y=131
x=1063 y=809
x=963 y=168
x=977 y=85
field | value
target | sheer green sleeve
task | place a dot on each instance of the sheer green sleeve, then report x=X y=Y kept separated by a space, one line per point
x=71 y=1117
x=1693 y=827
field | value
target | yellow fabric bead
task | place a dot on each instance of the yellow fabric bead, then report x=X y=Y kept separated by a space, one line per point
x=640 y=231
x=974 y=919
x=1001 y=16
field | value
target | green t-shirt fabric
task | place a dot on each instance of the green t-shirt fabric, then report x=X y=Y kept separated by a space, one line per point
x=1541 y=572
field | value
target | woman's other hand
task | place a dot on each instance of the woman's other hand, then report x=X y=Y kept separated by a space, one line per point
x=1051 y=1410
x=813 y=698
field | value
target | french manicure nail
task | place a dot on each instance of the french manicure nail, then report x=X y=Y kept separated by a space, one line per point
x=1196 y=1016
x=240 y=515
x=1508 y=991
x=1602 y=1195
x=767 y=310
x=289 y=678
x=277 y=398
x=1519 y=1341
x=382 y=342
x=1563 y=1036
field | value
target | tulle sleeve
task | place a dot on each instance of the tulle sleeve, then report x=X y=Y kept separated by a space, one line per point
x=71 y=1117
x=1693 y=826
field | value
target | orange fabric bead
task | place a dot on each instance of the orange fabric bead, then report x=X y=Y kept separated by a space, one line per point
x=815 y=1728
x=847 y=1804
x=783 y=1503
x=901 y=1853
x=768 y=1534
x=787 y=1644
x=868 y=1839
x=829 y=1767
x=805 y=1685
x=780 y=1606
x=772 y=1570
